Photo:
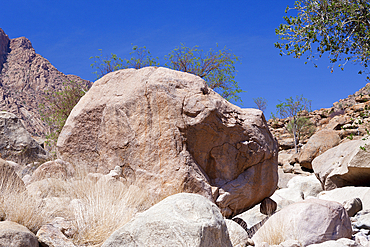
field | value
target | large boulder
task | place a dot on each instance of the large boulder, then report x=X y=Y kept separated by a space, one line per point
x=16 y=144
x=310 y=221
x=344 y=165
x=316 y=145
x=168 y=130
x=14 y=234
x=181 y=219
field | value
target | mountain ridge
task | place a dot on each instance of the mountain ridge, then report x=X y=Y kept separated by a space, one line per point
x=24 y=78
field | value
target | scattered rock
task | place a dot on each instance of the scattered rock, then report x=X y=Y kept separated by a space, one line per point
x=238 y=236
x=53 y=169
x=352 y=206
x=182 y=137
x=284 y=178
x=14 y=234
x=299 y=188
x=16 y=143
x=268 y=206
x=344 y=194
x=362 y=220
x=316 y=145
x=310 y=221
x=50 y=236
x=344 y=165
x=343 y=242
x=178 y=219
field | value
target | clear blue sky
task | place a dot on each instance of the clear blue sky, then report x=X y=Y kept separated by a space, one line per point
x=68 y=33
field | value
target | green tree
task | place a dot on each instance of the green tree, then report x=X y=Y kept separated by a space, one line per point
x=340 y=28
x=58 y=105
x=261 y=103
x=141 y=57
x=217 y=68
x=290 y=109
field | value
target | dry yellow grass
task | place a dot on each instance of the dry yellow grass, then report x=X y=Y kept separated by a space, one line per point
x=95 y=208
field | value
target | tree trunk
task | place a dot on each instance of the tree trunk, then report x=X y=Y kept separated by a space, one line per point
x=295 y=134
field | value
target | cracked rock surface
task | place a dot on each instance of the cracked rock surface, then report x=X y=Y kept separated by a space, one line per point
x=167 y=129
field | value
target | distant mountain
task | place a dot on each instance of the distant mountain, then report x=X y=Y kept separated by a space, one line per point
x=24 y=77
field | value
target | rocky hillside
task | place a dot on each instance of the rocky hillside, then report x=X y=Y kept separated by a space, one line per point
x=24 y=77
x=349 y=117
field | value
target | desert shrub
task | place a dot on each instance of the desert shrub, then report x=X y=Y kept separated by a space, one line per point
x=18 y=206
x=57 y=105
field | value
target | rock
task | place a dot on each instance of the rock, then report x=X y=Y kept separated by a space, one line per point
x=9 y=180
x=284 y=157
x=362 y=98
x=344 y=165
x=284 y=178
x=251 y=217
x=343 y=242
x=290 y=243
x=361 y=240
x=49 y=235
x=14 y=234
x=316 y=145
x=286 y=143
x=299 y=188
x=362 y=220
x=310 y=221
x=4 y=47
x=238 y=236
x=352 y=206
x=344 y=194
x=336 y=123
x=16 y=143
x=49 y=187
x=53 y=169
x=180 y=219
x=24 y=77
x=288 y=168
x=268 y=206
x=182 y=137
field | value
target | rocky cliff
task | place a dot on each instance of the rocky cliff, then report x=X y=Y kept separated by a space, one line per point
x=24 y=77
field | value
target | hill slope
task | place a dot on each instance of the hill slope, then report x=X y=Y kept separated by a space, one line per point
x=24 y=77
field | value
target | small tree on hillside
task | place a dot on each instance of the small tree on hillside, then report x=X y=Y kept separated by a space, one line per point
x=290 y=109
x=304 y=127
x=261 y=103
x=58 y=105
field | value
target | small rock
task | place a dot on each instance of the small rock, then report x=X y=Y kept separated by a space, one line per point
x=50 y=236
x=14 y=234
x=353 y=206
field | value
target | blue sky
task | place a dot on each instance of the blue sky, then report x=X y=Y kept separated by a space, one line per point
x=68 y=33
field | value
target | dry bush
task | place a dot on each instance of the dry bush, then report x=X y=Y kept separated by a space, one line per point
x=103 y=207
x=275 y=231
x=17 y=205
x=95 y=208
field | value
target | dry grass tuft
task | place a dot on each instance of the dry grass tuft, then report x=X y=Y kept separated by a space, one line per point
x=95 y=208
x=101 y=208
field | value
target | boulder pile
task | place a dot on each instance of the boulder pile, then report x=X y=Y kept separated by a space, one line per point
x=153 y=157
